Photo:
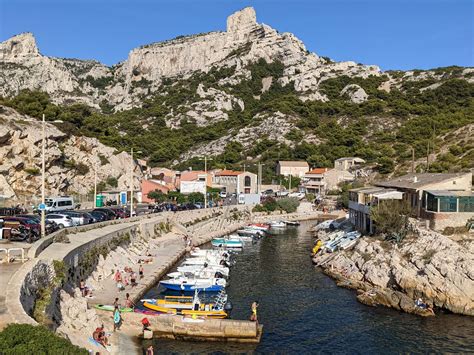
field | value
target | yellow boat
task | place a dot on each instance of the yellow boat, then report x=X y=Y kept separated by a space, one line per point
x=201 y=310
x=317 y=247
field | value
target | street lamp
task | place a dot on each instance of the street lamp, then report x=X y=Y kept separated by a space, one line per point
x=131 y=181
x=205 y=183
x=43 y=172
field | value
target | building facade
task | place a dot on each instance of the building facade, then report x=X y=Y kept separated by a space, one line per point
x=348 y=164
x=237 y=182
x=361 y=201
x=292 y=167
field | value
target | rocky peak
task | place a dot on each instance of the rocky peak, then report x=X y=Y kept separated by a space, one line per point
x=19 y=47
x=243 y=20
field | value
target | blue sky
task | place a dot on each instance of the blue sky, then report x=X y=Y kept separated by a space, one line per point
x=405 y=34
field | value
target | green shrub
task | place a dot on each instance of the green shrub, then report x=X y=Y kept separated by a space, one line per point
x=32 y=171
x=29 y=339
x=288 y=204
x=82 y=169
x=103 y=160
x=112 y=181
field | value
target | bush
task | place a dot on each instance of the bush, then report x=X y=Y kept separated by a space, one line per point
x=112 y=181
x=269 y=204
x=103 y=160
x=391 y=218
x=28 y=339
x=82 y=169
x=288 y=204
x=32 y=171
x=157 y=195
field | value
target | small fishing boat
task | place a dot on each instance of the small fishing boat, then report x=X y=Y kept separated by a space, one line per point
x=277 y=224
x=259 y=226
x=292 y=223
x=197 y=268
x=323 y=225
x=349 y=240
x=234 y=242
x=251 y=231
x=190 y=284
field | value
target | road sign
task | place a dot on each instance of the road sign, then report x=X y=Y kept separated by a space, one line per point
x=41 y=207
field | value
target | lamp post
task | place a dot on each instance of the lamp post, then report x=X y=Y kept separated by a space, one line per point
x=43 y=178
x=259 y=178
x=131 y=181
x=95 y=185
x=205 y=182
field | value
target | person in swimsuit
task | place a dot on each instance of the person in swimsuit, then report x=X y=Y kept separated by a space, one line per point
x=140 y=271
x=254 y=307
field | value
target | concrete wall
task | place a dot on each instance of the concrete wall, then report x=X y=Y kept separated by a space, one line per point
x=439 y=221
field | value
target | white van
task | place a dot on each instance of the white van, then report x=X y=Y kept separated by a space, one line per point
x=54 y=204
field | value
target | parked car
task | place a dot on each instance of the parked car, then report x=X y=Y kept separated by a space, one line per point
x=77 y=217
x=223 y=194
x=121 y=213
x=108 y=211
x=61 y=220
x=50 y=226
x=99 y=216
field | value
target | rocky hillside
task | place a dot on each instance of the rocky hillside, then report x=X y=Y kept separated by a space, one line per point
x=70 y=160
x=245 y=95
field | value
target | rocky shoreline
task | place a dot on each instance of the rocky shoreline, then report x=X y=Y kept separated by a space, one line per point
x=426 y=265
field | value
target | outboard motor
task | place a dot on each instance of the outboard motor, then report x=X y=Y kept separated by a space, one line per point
x=228 y=307
x=219 y=275
x=206 y=264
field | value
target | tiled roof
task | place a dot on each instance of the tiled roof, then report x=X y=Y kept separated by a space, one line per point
x=318 y=171
x=229 y=173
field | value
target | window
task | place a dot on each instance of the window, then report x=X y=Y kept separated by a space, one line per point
x=247 y=181
x=466 y=204
x=447 y=204
x=432 y=204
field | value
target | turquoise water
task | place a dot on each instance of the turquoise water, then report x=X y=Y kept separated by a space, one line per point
x=303 y=311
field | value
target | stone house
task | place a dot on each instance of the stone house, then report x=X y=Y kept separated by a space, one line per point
x=348 y=164
x=292 y=167
x=446 y=200
x=319 y=181
x=361 y=200
x=236 y=181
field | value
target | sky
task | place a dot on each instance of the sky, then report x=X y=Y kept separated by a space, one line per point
x=405 y=34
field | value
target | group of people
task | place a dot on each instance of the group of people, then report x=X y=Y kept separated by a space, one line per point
x=86 y=291
x=128 y=277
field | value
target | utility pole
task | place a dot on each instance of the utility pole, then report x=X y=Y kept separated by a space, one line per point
x=289 y=185
x=131 y=184
x=428 y=157
x=205 y=183
x=95 y=185
x=412 y=160
x=259 y=178
x=43 y=178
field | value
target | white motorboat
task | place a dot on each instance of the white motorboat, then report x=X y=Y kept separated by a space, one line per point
x=324 y=225
x=197 y=274
x=209 y=252
x=277 y=224
x=259 y=226
x=204 y=261
x=192 y=284
x=198 y=268
x=251 y=231
x=349 y=240
x=292 y=223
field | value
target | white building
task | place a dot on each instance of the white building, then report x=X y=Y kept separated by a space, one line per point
x=292 y=167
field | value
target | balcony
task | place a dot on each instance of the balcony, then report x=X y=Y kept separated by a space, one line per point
x=359 y=207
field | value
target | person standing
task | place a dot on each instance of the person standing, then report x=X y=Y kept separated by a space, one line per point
x=149 y=350
x=140 y=271
x=253 y=316
x=117 y=319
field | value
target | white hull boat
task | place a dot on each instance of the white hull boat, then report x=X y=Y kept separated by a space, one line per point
x=210 y=268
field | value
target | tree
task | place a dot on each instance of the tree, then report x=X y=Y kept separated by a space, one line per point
x=385 y=165
x=157 y=195
x=288 y=204
x=391 y=218
x=195 y=197
x=29 y=339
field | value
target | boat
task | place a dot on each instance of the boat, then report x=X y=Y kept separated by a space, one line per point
x=209 y=252
x=197 y=268
x=111 y=308
x=204 y=261
x=192 y=306
x=317 y=247
x=292 y=223
x=198 y=274
x=259 y=226
x=192 y=284
x=234 y=242
x=323 y=225
x=251 y=231
x=349 y=240
x=244 y=238
x=277 y=224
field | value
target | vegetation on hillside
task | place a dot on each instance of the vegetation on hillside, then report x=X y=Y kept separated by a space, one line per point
x=383 y=130
x=28 y=339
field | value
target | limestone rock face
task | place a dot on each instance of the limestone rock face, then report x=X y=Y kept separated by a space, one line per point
x=245 y=41
x=430 y=265
x=356 y=94
x=20 y=159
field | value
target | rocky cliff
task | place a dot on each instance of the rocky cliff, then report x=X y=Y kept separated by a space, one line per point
x=70 y=160
x=427 y=265
x=245 y=93
x=125 y=84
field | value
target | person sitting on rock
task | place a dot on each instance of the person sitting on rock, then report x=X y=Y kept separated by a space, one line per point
x=99 y=336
